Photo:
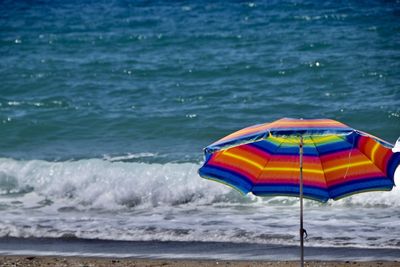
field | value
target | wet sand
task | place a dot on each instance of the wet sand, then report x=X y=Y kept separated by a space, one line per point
x=36 y=261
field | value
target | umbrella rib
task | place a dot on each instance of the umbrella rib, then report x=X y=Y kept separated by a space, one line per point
x=322 y=167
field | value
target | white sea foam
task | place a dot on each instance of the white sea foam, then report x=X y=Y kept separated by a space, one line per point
x=129 y=156
x=106 y=199
x=108 y=185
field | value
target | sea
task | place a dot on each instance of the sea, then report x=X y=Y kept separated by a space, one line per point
x=106 y=106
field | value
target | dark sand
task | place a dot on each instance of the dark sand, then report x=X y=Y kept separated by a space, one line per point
x=27 y=261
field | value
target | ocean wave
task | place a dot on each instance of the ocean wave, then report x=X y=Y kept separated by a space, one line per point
x=107 y=184
x=112 y=184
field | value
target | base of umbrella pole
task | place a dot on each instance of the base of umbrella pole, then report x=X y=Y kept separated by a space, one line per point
x=301 y=205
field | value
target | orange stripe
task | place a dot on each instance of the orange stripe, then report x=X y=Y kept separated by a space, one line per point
x=250 y=153
x=236 y=164
x=245 y=131
x=364 y=171
x=335 y=162
x=337 y=179
x=245 y=157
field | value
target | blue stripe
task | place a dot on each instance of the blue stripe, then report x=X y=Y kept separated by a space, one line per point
x=350 y=141
x=310 y=131
x=352 y=187
x=325 y=149
x=295 y=151
x=273 y=149
x=288 y=150
x=310 y=151
x=265 y=146
x=230 y=177
x=393 y=163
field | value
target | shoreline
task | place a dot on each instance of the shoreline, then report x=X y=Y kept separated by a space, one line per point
x=41 y=261
x=185 y=250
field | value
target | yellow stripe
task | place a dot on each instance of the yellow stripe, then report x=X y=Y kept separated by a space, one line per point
x=284 y=140
x=259 y=166
x=255 y=164
x=293 y=169
x=347 y=166
x=325 y=139
x=307 y=141
x=374 y=151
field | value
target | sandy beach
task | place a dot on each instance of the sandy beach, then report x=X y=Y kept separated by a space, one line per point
x=8 y=261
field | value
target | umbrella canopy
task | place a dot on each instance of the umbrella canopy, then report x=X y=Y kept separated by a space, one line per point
x=337 y=160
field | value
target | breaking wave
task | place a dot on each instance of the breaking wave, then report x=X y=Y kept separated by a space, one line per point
x=110 y=184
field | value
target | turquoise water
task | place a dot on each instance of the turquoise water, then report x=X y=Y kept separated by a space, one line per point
x=82 y=79
x=105 y=108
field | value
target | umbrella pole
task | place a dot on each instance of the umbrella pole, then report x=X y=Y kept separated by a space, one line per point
x=301 y=205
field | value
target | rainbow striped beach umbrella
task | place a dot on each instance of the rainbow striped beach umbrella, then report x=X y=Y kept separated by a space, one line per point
x=319 y=159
